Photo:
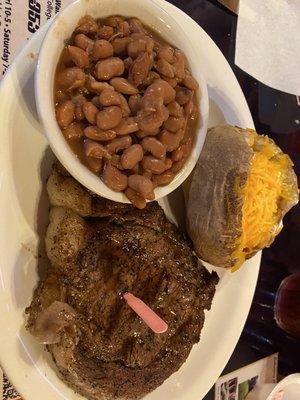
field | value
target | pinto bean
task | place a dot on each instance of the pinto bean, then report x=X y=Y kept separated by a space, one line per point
x=120 y=44
x=136 y=26
x=190 y=82
x=166 y=53
x=161 y=88
x=114 y=178
x=140 y=43
x=127 y=63
x=152 y=76
x=154 y=146
x=171 y=140
x=171 y=81
x=116 y=161
x=108 y=97
x=150 y=101
x=135 y=169
x=163 y=179
x=84 y=42
x=123 y=28
x=60 y=96
x=73 y=131
x=134 y=103
x=141 y=37
x=95 y=149
x=70 y=78
x=66 y=59
x=136 y=47
x=187 y=144
x=139 y=69
x=183 y=151
x=168 y=163
x=142 y=134
x=131 y=156
x=122 y=85
x=78 y=56
x=142 y=185
x=183 y=95
x=65 y=113
x=188 y=108
x=175 y=109
x=109 y=117
x=90 y=111
x=96 y=102
x=79 y=115
x=153 y=165
x=179 y=64
x=173 y=124
x=126 y=126
x=108 y=68
x=135 y=198
x=119 y=144
x=94 y=164
x=150 y=121
x=105 y=32
x=177 y=165
x=147 y=174
x=124 y=106
x=164 y=68
x=94 y=133
x=177 y=154
x=102 y=49
x=87 y=24
x=113 y=20
x=95 y=86
x=78 y=101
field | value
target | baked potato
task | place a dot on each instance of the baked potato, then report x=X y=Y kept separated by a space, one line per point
x=241 y=188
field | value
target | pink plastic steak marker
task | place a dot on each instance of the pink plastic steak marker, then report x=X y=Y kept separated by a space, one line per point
x=150 y=318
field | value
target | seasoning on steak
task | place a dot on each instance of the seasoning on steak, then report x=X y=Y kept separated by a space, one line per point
x=98 y=250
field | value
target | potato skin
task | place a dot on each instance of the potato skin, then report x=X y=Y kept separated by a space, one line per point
x=214 y=209
x=214 y=206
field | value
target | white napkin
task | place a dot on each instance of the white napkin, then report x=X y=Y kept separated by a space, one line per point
x=268 y=42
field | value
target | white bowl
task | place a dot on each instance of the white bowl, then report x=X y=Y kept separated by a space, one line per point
x=151 y=14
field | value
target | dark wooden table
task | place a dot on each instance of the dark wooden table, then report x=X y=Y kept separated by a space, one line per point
x=277 y=114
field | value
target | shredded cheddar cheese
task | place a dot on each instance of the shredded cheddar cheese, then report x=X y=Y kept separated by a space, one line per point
x=265 y=188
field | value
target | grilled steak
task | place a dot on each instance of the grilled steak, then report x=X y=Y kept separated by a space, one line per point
x=97 y=251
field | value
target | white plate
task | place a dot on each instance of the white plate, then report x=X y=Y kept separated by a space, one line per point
x=25 y=161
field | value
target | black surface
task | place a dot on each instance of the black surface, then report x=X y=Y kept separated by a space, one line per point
x=277 y=114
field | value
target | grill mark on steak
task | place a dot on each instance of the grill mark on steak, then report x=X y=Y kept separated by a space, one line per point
x=107 y=352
